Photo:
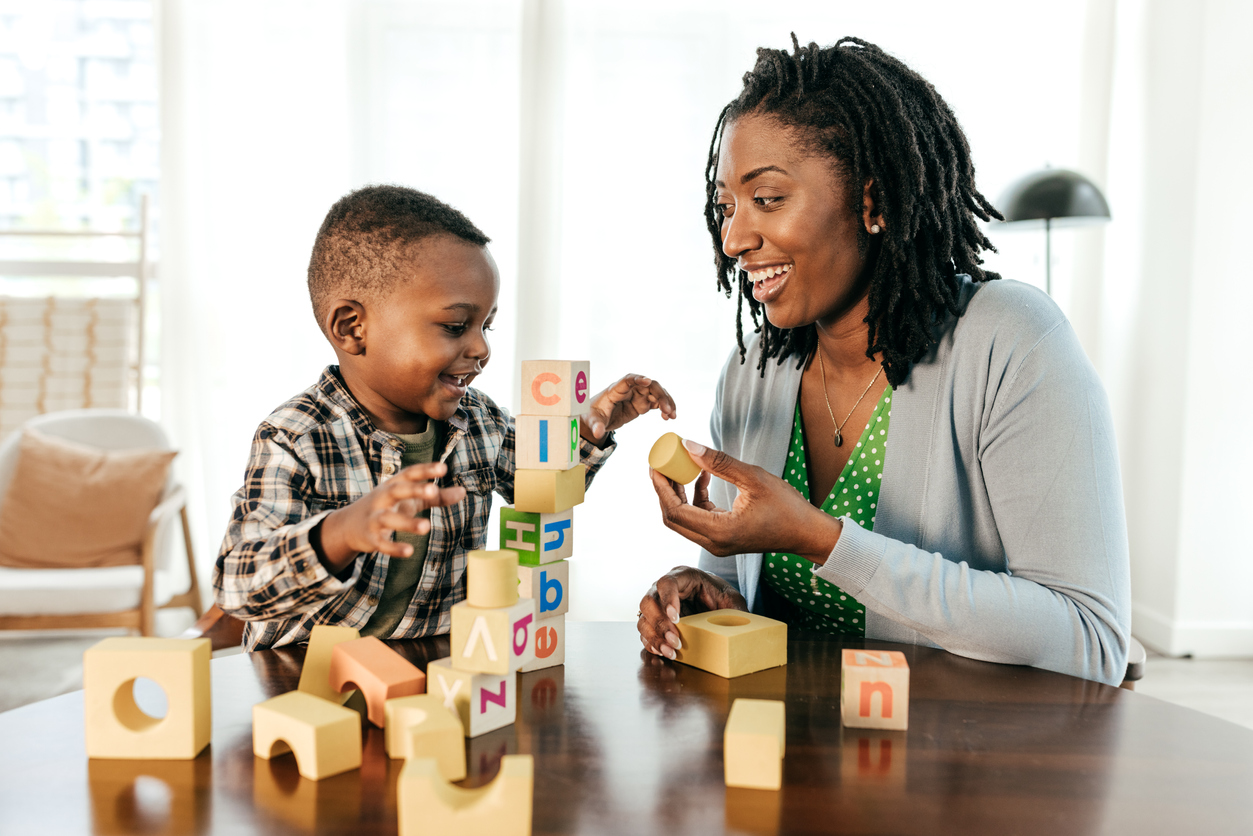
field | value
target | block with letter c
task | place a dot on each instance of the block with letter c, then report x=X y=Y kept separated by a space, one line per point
x=556 y=387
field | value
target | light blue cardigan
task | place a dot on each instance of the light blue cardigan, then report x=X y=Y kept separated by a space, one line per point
x=1000 y=533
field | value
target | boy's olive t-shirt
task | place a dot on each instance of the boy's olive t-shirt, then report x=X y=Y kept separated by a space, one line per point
x=403 y=573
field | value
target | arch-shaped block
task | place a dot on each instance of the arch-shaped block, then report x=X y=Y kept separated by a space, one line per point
x=378 y=671
x=117 y=728
x=315 y=673
x=423 y=727
x=324 y=737
x=429 y=804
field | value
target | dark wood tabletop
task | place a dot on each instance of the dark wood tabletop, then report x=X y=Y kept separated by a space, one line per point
x=625 y=743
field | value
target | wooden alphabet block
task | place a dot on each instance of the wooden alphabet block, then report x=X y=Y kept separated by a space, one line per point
x=429 y=804
x=117 y=728
x=483 y=701
x=556 y=387
x=548 y=491
x=315 y=674
x=550 y=644
x=537 y=538
x=324 y=737
x=492 y=578
x=670 y=458
x=874 y=689
x=731 y=642
x=493 y=640
x=547 y=585
x=546 y=442
x=753 y=743
x=378 y=671
x=422 y=727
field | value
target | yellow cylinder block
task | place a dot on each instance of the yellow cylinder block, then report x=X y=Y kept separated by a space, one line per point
x=669 y=458
x=492 y=578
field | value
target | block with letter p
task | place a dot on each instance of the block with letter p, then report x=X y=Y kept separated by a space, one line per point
x=874 y=689
x=556 y=387
x=493 y=640
x=546 y=442
x=537 y=538
x=548 y=585
x=484 y=701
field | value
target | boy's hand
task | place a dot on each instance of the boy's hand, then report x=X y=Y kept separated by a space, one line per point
x=622 y=403
x=367 y=525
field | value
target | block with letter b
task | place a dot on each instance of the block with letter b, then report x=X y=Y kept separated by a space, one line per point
x=548 y=585
x=874 y=689
x=556 y=387
x=484 y=701
x=550 y=644
x=537 y=538
x=546 y=442
x=493 y=640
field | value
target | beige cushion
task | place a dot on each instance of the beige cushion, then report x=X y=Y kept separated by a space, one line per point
x=74 y=506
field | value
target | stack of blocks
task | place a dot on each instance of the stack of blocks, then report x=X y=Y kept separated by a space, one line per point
x=548 y=483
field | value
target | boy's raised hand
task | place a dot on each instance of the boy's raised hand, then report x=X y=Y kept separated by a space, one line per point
x=367 y=525
x=623 y=402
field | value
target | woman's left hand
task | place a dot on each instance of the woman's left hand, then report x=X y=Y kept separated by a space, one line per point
x=623 y=402
x=768 y=514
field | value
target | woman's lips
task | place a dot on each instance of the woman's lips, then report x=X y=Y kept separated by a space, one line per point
x=767 y=290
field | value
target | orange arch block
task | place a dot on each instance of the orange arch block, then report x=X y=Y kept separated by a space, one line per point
x=379 y=672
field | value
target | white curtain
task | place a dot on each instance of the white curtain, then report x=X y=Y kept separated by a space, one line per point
x=575 y=134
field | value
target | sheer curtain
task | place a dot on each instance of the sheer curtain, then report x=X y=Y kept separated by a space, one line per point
x=575 y=134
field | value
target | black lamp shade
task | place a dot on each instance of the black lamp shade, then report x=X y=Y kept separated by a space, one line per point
x=1053 y=193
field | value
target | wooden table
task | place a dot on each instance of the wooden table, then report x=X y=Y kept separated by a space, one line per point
x=626 y=743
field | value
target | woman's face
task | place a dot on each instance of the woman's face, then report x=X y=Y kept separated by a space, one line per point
x=788 y=222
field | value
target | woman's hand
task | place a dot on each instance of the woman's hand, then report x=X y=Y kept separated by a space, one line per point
x=623 y=402
x=681 y=590
x=768 y=514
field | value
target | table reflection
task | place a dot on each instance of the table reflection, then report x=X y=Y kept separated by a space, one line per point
x=150 y=796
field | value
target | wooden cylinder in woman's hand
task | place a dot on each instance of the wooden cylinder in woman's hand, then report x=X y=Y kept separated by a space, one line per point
x=669 y=458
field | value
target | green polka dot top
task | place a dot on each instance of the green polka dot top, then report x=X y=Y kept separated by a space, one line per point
x=820 y=605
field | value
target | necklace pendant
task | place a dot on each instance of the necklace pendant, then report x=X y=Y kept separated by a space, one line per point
x=839 y=439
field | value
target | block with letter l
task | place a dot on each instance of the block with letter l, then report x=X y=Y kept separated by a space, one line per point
x=493 y=640
x=874 y=689
x=546 y=442
x=548 y=585
x=483 y=701
x=537 y=538
x=556 y=387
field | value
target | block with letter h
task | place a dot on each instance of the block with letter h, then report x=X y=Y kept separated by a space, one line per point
x=874 y=689
x=537 y=538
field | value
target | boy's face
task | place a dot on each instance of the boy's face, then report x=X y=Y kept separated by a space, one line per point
x=424 y=343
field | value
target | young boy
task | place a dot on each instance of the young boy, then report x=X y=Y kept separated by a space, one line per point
x=391 y=440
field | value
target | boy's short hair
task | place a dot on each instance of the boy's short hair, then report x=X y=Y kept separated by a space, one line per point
x=366 y=237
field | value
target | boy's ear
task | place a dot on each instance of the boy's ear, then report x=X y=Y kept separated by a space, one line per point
x=345 y=325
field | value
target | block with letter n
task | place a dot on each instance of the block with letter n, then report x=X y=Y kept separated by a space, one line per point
x=874 y=689
x=556 y=387
x=548 y=585
x=537 y=538
x=546 y=442
x=483 y=701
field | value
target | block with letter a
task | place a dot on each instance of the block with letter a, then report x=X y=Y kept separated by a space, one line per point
x=495 y=641
x=537 y=538
x=548 y=585
x=550 y=644
x=484 y=702
x=874 y=689
x=546 y=442
x=556 y=387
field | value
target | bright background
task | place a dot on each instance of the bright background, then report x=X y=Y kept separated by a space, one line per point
x=574 y=133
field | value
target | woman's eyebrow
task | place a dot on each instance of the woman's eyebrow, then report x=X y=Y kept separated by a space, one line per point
x=756 y=172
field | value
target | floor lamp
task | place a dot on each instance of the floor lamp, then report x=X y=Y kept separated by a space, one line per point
x=1054 y=194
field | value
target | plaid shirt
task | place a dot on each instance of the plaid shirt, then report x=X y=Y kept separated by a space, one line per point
x=320 y=451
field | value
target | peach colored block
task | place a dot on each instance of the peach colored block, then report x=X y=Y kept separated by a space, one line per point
x=429 y=804
x=315 y=673
x=874 y=689
x=324 y=737
x=117 y=728
x=378 y=671
x=423 y=727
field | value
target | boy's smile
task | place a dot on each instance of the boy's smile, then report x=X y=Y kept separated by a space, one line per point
x=413 y=354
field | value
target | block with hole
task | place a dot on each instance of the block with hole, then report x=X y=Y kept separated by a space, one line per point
x=670 y=458
x=556 y=387
x=753 y=744
x=537 y=538
x=493 y=640
x=731 y=643
x=429 y=804
x=549 y=491
x=116 y=727
x=379 y=672
x=549 y=644
x=547 y=585
x=484 y=702
x=315 y=673
x=423 y=727
x=491 y=578
x=324 y=737
x=874 y=689
x=546 y=442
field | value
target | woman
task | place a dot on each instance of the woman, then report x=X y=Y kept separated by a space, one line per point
x=842 y=206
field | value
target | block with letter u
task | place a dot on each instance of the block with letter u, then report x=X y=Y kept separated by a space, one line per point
x=537 y=538
x=874 y=689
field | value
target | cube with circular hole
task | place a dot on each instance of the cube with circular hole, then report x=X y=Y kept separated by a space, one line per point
x=731 y=643
x=116 y=727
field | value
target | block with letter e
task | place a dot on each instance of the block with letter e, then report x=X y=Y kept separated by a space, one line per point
x=548 y=585
x=496 y=640
x=731 y=642
x=556 y=387
x=874 y=689
x=546 y=442
x=550 y=644
x=484 y=701
x=537 y=538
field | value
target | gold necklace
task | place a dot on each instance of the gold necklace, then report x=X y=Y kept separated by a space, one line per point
x=839 y=439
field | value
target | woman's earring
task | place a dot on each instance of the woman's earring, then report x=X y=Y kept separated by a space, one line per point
x=874 y=229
